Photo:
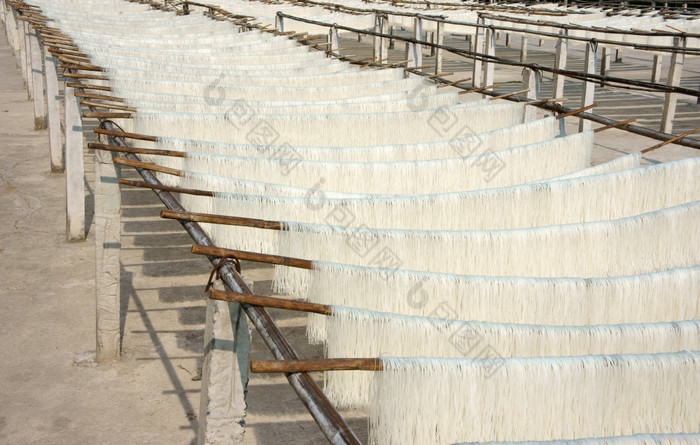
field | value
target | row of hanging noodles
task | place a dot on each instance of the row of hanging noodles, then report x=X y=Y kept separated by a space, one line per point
x=653 y=241
x=635 y=439
x=595 y=198
x=665 y=296
x=418 y=400
x=490 y=141
x=401 y=103
x=362 y=333
x=224 y=79
x=250 y=92
x=628 y=161
x=333 y=129
x=511 y=166
x=225 y=188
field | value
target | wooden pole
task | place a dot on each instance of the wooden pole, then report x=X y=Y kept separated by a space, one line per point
x=148 y=166
x=253 y=256
x=615 y=125
x=136 y=150
x=271 y=302
x=222 y=219
x=574 y=112
x=121 y=134
x=673 y=139
x=316 y=365
x=166 y=188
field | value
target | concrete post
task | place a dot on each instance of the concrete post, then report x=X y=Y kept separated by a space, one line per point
x=381 y=25
x=656 y=69
x=75 y=171
x=439 y=38
x=376 y=41
x=28 y=76
x=588 y=87
x=391 y=33
x=22 y=55
x=605 y=59
x=37 y=68
x=618 y=56
x=224 y=374
x=53 y=108
x=333 y=39
x=560 y=63
x=107 y=266
x=478 y=48
x=490 y=51
x=523 y=49
x=415 y=50
x=674 y=79
x=531 y=82
x=508 y=40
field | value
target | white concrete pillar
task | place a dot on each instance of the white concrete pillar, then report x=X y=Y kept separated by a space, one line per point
x=588 y=87
x=28 y=61
x=531 y=82
x=656 y=69
x=13 y=32
x=107 y=254
x=334 y=39
x=439 y=38
x=381 y=25
x=224 y=374
x=605 y=59
x=53 y=108
x=562 y=49
x=75 y=170
x=414 y=51
x=523 y=49
x=37 y=68
x=490 y=51
x=477 y=80
x=22 y=55
x=675 y=72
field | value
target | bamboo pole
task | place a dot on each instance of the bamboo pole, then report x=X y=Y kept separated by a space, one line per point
x=166 y=188
x=148 y=166
x=100 y=97
x=122 y=134
x=242 y=255
x=615 y=125
x=100 y=115
x=271 y=302
x=504 y=96
x=84 y=76
x=222 y=219
x=577 y=111
x=315 y=365
x=136 y=150
x=673 y=139
x=86 y=86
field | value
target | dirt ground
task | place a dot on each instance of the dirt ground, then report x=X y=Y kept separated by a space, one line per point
x=50 y=388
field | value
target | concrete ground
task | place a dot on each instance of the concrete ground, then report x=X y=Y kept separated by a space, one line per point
x=51 y=389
